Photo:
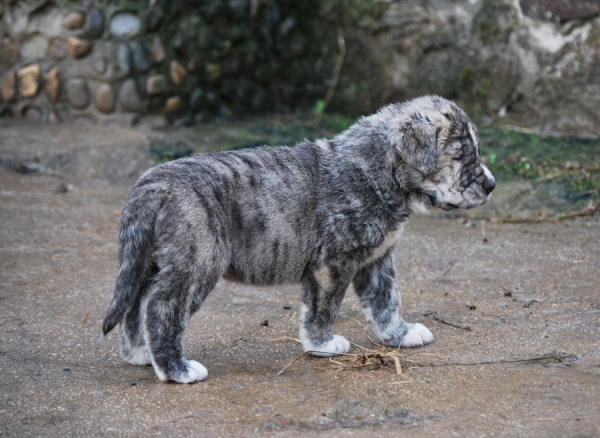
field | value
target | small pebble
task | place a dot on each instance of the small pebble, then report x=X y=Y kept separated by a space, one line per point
x=264 y=323
x=287 y=306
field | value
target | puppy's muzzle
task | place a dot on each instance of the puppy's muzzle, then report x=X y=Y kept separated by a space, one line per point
x=489 y=185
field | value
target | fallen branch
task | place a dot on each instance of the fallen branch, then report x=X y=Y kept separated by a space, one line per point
x=589 y=210
x=557 y=357
x=433 y=314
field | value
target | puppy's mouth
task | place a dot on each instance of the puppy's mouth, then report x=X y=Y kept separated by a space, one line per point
x=446 y=206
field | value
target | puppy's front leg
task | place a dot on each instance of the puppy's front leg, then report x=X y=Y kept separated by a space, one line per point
x=376 y=287
x=321 y=301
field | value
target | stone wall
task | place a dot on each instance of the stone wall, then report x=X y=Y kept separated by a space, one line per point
x=531 y=62
x=112 y=62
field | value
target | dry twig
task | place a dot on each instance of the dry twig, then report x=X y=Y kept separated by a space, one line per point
x=439 y=319
x=589 y=210
x=285 y=338
x=337 y=70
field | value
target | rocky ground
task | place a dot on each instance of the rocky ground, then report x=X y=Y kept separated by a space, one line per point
x=514 y=309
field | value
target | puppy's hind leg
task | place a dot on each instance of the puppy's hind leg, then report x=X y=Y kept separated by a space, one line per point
x=376 y=287
x=174 y=296
x=131 y=338
x=321 y=301
x=190 y=264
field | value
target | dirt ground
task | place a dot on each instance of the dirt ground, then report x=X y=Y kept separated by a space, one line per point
x=526 y=291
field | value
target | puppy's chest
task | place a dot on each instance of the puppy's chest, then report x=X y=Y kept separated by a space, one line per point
x=390 y=240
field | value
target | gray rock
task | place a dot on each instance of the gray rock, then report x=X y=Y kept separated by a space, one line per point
x=124 y=24
x=105 y=98
x=124 y=58
x=197 y=99
x=10 y=49
x=34 y=46
x=33 y=114
x=99 y=63
x=154 y=17
x=129 y=97
x=78 y=92
x=57 y=49
x=157 y=50
x=141 y=57
x=156 y=84
x=9 y=86
x=179 y=44
x=74 y=20
x=94 y=23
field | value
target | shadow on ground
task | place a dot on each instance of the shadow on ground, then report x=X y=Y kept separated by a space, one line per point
x=525 y=290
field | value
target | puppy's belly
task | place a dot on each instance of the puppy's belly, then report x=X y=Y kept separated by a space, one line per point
x=267 y=274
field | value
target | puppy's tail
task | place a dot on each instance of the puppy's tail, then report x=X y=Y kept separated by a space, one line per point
x=136 y=239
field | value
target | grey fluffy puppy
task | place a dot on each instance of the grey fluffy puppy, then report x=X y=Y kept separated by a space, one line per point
x=324 y=214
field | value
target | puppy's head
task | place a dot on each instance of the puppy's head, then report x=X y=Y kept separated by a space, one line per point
x=437 y=140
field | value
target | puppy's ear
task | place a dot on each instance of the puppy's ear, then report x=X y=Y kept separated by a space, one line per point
x=416 y=142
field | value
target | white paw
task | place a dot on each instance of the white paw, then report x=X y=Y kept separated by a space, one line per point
x=417 y=336
x=196 y=373
x=337 y=345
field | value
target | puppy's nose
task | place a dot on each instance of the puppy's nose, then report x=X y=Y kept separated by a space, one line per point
x=489 y=185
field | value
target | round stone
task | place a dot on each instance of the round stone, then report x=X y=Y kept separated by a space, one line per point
x=141 y=60
x=157 y=50
x=129 y=98
x=99 y=63
x=174 y=104
x=57 y=49
x=34 y=46
x=29 y=80
x=195 y=64
x=156 y=84
x=124 y=58
x=94 y=24
x=9 y=89
x=52 y=86
x=177 y=72
x=74 y=20
x=33 y=114
x=10 y=49
x=154 y=17
x=124 y=24
x=105 y=98
x=78 y=93
x=77 y=47
x=53 y=117
x=197 y=99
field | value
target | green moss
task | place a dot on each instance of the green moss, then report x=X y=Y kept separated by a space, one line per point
x=572 y=162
